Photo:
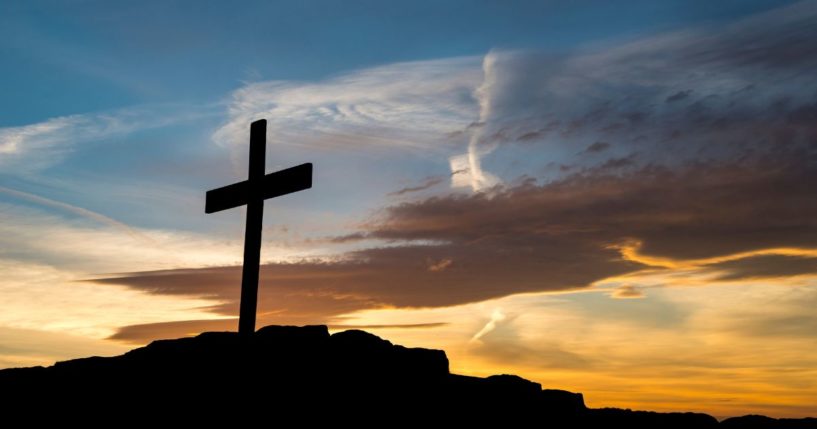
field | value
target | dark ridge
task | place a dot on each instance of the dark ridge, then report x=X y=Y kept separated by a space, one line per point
x=763 y=422
x=304 y=376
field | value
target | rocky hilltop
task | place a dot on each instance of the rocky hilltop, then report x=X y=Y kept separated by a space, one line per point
x=282 y=373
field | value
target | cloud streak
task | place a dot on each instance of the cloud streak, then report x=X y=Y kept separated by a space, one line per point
x=426 y=184
x=75 y=210
x=31 y=148
x=496 y=317
x=478 y=146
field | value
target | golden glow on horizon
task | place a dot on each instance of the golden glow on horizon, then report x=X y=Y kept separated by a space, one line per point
x=43 y=298
x=658 y=353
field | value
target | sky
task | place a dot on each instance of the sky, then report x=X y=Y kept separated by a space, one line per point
x=613 y=198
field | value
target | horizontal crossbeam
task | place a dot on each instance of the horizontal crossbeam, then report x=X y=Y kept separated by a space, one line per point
x=273 y=185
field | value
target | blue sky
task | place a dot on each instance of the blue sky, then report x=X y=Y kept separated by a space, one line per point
x=178 y=62
x=62 y=58
x=526 y=185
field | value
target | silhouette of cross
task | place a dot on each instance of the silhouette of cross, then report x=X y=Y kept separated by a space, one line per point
x=252 y=193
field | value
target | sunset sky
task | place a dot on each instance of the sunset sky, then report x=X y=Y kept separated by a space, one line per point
x=613 y=198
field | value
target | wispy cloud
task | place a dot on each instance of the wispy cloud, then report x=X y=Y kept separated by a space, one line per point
x=83 y=245
x=403 y=105
x=478 y=145
x=73 y=209
x=426 y=184
x=627 y=292
x=496 y=317
x=31 y=148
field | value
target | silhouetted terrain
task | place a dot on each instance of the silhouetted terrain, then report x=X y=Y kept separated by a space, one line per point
x=303 y=373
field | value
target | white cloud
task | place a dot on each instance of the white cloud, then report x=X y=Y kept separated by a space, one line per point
x=70 y=208
x=496 y=317
x=423 y=105
x=49 y=139
x=470 y=164
x=30 y=148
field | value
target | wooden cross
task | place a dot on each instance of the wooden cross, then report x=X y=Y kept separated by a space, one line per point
x=252 y=192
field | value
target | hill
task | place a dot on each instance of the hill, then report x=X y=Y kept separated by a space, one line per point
x=282 y=373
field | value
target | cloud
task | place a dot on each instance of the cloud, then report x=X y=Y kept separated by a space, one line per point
x=764 y=312
x=501 y=340
x=541 y=355
x=426 y=184
x=142 y=333
x=87 y=246
x=398 y=326
x=479 y=146
x=700 y=210
x=411 y=105
x=146 y=332
x=347 y=238
x=496 y=317
x=73 y=209
x=597 y=147
x=699 y=94
x=678 y=96
x=627 y=292
x=440 y=265
x=31 y=148
x=14 y=140
x=41 y=297
x=377 y=278
x=534 y=238
x=766 y=267
x=801 y=325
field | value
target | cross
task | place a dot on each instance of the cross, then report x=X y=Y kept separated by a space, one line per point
x=252 y=193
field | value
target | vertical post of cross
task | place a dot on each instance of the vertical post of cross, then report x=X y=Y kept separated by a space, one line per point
x=252 y=233
x=252 y=193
